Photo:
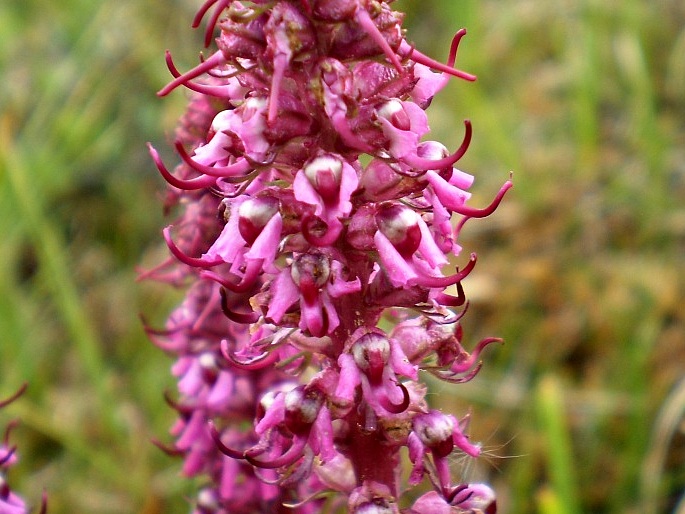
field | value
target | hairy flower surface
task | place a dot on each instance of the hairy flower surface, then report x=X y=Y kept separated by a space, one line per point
x=310 y=207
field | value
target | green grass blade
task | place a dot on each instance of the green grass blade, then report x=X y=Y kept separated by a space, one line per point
x=563 y=496
x=53 y=262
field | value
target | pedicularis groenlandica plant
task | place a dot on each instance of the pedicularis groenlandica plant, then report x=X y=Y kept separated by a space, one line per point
x=311 y=213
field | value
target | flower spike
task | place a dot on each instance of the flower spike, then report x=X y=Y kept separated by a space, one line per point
x=310 y=213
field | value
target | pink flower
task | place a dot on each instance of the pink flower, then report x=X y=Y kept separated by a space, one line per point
x=315 y=280
x=373 y=363
x=326 y=182
x=408 y=252
x=437 y=434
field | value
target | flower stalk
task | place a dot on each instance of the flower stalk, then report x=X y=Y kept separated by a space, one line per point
x=310 y=207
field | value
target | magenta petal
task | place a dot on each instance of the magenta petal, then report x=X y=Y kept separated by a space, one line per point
x=428 y=85
x=229 y=243
x=442 y=468
x=461 y=179
x=184 y=184
x=266 y=244
x=386 y=403
x=453 y=198
x=289 y=457
x=312 y=318
x=427 y=247
x=274 y=415
x=349 y=182
x=216 y=59
x=323 y=429
x=341 y=126
x=398 y=270
x=350 y=378
x=442 y=282
x=416 y=447
x=364 y=19
x=255 y=363
x=305 y=192
x=185 y=259
x=402 y=142
x=193 y=430
x=400 y=363
x=333 y=321
x=280 y=64
x=216 y=437
x=284 y=293
x=339 y=288
x=466 y=364
x=221 y=392
x=431 y=503
x=191 y=381
x=463 y=443
x=229 y=477
x=236 y=171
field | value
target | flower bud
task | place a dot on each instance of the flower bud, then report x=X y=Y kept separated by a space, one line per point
x=380 y=182
x=334 y=10
x=254 y=214
x=310 y=272
x=371 y=353
x=242 y=35
x=400 y=225
x=435 y=431
x=288 y=30
x=301 y=408
x=393 y=111
x=324 y=173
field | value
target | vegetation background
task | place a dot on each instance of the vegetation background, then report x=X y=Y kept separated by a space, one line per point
x=582 y=269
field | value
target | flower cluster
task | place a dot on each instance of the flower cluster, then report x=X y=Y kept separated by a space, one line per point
x=10 y=502
x=311 y=207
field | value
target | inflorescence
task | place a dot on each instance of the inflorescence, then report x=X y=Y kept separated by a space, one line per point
x=312 y=214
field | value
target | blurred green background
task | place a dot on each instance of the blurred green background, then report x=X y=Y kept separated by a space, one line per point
x=581 y=270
